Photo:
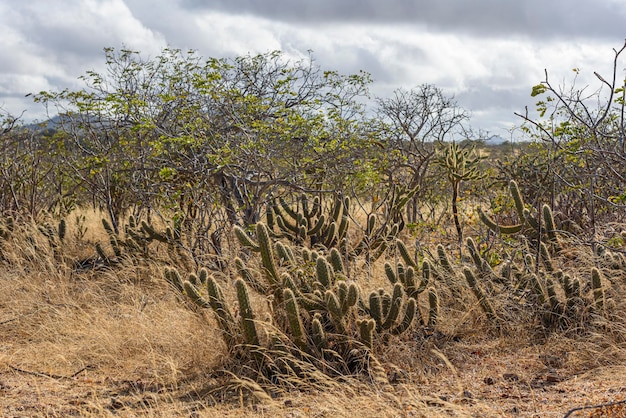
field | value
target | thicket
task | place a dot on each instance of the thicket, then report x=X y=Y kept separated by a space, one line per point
x=267 y=193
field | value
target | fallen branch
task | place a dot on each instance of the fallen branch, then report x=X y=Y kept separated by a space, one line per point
x=50 y=375
x=605 y=405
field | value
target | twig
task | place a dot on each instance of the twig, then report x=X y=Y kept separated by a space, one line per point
x=582 y=408
x=50 y=375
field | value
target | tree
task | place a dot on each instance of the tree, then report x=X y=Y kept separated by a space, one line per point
x=460 y=165
x=411 y=122
x=582 y=135
x=207 y=133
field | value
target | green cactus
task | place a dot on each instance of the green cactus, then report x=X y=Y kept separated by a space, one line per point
x=336 y=315
x=444 y=261
x=571 y=287
x=546 y=258
x=301 y=223
x=501 y=229
x=318 y=335
x=246 y=313
x=153 y=233
x=517 y=199
x=385 y=309
x=113 y=238
x=404 y=253
x=247 y=275
x=325 y=273
x=597 y=289
x=294 y=319
x=433 y=307
x=267 y=254
x=366 y=331
x=173 y=278
x=474 y=252
x=102 y=254
x=225 y=320
x=484 y=303
x=550 y=226
x=407 y=320
x=335 y=260
x=519 y=207
x=245 y=240
x=192 y=292
x=391 y=275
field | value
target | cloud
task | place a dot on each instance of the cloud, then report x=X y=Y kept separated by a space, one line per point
x=487 y=53
x=532 y=18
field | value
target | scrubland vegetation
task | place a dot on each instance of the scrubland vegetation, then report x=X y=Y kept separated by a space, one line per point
x=259 y=237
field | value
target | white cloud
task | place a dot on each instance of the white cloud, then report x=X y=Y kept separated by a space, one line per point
x=489 y=68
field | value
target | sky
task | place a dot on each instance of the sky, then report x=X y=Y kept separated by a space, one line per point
x=487 y=54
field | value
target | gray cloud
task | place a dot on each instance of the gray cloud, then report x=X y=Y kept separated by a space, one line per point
x=488 y=53
x=533 y=18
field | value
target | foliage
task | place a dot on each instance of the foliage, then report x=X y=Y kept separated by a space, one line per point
x=581 y=148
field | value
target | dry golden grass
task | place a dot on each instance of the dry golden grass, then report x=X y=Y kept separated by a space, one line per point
x=119 y=342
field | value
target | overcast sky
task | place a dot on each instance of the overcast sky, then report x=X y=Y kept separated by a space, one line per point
x=486 y=53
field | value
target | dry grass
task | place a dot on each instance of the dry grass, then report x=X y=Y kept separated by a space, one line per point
x=120 y=343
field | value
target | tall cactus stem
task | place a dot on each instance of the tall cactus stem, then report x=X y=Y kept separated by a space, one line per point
x=433 y=307
x=294 y=319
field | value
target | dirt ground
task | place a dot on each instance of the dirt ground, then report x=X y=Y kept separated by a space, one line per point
x=478 y=380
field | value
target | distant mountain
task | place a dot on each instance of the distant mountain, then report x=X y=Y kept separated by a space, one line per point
x=52 y=124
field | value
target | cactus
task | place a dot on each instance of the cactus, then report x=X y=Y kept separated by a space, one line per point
x=407 y=278
x=247 y=316
x=407 y=320
x=391 y=275
x=303 y=222
x=153 y=233
x=385 y=310
x=335 y=261
x=366 y=332
x=173 y=278
x=597 y=289
x=113 y=238
x=546 y=258
x=325 y=273
x=225 y=320
x=404 y=253
x=474 y=252
x=249 y=278
x=245 y=240
x=484 y=303
x=194 y=294
x=444 y=261
x=529 y=222
x=267 y=254
x=550 y=227
x=318 y=335
x=519 y=207
x=433 y=307
x=336 y=315
x=294 y=320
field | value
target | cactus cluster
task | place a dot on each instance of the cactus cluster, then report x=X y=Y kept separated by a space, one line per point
x=135 y=243
x=530 y=224
x=321 y=315
x=308 y=222
x=55 y=235
x=556 y=298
